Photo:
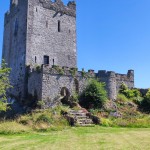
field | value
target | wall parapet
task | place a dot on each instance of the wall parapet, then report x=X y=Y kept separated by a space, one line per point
x=65 y=71
x=59 y=7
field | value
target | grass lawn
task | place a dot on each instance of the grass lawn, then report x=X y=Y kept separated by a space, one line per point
x=80 y=138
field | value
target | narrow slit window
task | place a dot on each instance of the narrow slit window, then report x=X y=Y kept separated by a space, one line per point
x=16 y=27
x=46 y=24
x=35 y=59
x=36 y=10
x=46 y=60
x=53 y=62
x=59 y=26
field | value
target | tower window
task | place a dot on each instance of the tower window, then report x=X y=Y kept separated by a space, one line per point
x=16 y=27
x=53 y=62
x=36 y=10
x=46 y=60
x=46 y=24
x=35 y=59
x=59 y=26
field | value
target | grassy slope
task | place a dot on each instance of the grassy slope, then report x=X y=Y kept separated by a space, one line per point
x=86 y=138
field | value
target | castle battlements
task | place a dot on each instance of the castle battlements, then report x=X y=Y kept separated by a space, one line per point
x=62 y=71
x=59 y=7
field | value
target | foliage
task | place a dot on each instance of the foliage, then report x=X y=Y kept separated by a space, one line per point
x=145 y=104
x=73 y=71
x=38 y=69
x=58 y=69
x=129 y=93
x=45 y=120
x=83 y=73
x=40 y=104
x=74 y=97
x=4 y=85
x=12 y=127
x=94 y=95
x=134 y=122
x=121 y=98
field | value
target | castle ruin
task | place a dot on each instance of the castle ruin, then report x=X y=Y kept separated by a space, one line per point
x=39 y=36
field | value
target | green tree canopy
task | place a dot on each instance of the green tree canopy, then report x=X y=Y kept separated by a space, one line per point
x=94 y=96
x=4 y=85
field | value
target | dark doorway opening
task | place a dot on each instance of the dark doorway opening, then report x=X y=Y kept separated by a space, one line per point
x=46 y=60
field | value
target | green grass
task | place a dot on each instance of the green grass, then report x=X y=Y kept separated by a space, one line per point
x=80 y=138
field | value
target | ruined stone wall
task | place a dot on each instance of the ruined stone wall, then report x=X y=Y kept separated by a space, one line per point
x=14 y=44
x=49 y=83
x=54 y=79
x=114 y=80
x=35 y=85
x=43 y=37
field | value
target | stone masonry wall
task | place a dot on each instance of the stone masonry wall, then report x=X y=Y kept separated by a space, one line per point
x=114 y=80
x=35 y=85
x=14 y=45
x=54 y=79
x=49 y=83
x=43 y=37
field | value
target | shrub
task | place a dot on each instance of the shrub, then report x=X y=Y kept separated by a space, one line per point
x=145 y=104
x=94 y=95
x=131 y=94
x=106 y=122
x=74 y=97
x=121 y=98
x=44 y=118
x=4 y=85
x=38 y=69
x=73 y=71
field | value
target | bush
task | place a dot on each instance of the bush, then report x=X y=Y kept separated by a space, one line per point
x=74 y=98
x=106 y=122
x=44 y=118
x=4 y=85
x=131 y=94
x=94 y=96
x=145 y=104
x=121 y=98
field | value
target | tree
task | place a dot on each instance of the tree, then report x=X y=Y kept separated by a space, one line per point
x=145 y=105
x=129 y=93
x=94 y=96
x=4 y=85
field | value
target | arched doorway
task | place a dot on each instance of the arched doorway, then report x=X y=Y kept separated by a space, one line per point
x=65 y=94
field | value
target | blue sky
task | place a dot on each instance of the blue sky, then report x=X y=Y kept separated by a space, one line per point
x=111 y=35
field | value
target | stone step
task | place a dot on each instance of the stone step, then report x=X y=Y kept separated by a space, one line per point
x=76 y=111
x=80 y=118
x=78 y=114
x=84 y=121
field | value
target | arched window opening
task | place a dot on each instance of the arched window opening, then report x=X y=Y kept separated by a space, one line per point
x=59 y=28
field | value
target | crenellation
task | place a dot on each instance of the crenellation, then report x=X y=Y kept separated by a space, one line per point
x=58 y=6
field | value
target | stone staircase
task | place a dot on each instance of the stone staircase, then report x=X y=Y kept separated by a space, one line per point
x=80 y=118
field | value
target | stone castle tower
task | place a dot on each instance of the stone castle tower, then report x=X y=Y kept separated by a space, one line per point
x=40 y=47
x=38 y=32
